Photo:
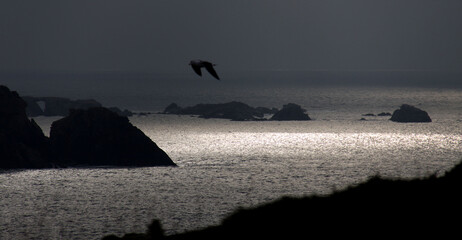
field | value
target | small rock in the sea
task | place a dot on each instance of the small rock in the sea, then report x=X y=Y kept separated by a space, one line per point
x=383 y=114
x=369 y=115
x=291 y=112
x=408 y=113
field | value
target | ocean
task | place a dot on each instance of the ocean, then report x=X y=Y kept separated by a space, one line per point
x=224 y=165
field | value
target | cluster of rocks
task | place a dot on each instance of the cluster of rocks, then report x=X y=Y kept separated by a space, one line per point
x=238 y=111
x=233 y=110
x=91 y=137
x=57 y=106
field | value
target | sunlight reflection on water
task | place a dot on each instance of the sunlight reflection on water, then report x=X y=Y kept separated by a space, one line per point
x=222 y=165
x=375 y=147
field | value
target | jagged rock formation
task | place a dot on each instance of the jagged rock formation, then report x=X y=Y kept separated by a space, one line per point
x=291 y=112
x=98 y=136
x=22 y=142
x=408 y=113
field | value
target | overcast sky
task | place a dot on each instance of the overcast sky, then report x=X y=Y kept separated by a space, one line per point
x=162 y=36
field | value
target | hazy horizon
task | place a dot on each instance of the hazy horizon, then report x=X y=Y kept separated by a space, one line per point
x=162 y=36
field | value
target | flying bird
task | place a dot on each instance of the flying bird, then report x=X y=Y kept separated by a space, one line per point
x=198 y=64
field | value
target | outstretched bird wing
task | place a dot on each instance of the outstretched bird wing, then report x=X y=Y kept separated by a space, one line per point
x=210 y=69
x=197 y=69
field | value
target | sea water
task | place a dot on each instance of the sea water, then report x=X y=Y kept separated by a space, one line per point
x=224 y=165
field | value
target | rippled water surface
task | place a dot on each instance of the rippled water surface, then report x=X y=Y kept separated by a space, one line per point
x=223 y=165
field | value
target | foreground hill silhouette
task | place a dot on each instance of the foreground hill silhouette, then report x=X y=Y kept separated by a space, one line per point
x=377 y=209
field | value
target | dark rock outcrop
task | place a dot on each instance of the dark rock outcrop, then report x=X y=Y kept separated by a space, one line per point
x=408 y=113
x=173 y=108
x=98 y=136
x=236 y=111
x=22 y=142
x=384 y=114
x=369 y=115
x=291 y=112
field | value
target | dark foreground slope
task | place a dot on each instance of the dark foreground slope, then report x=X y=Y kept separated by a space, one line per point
x=378 y=208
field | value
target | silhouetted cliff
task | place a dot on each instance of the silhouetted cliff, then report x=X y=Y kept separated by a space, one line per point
x=22 y=142
x=98 y=136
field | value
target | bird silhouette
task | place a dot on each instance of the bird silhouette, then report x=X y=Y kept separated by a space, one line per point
x=198 y=64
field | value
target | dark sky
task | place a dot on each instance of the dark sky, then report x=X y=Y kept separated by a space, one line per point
x=240 y=35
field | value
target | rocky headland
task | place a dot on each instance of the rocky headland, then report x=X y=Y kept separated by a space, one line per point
x=98 y=136
x=91 y=137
